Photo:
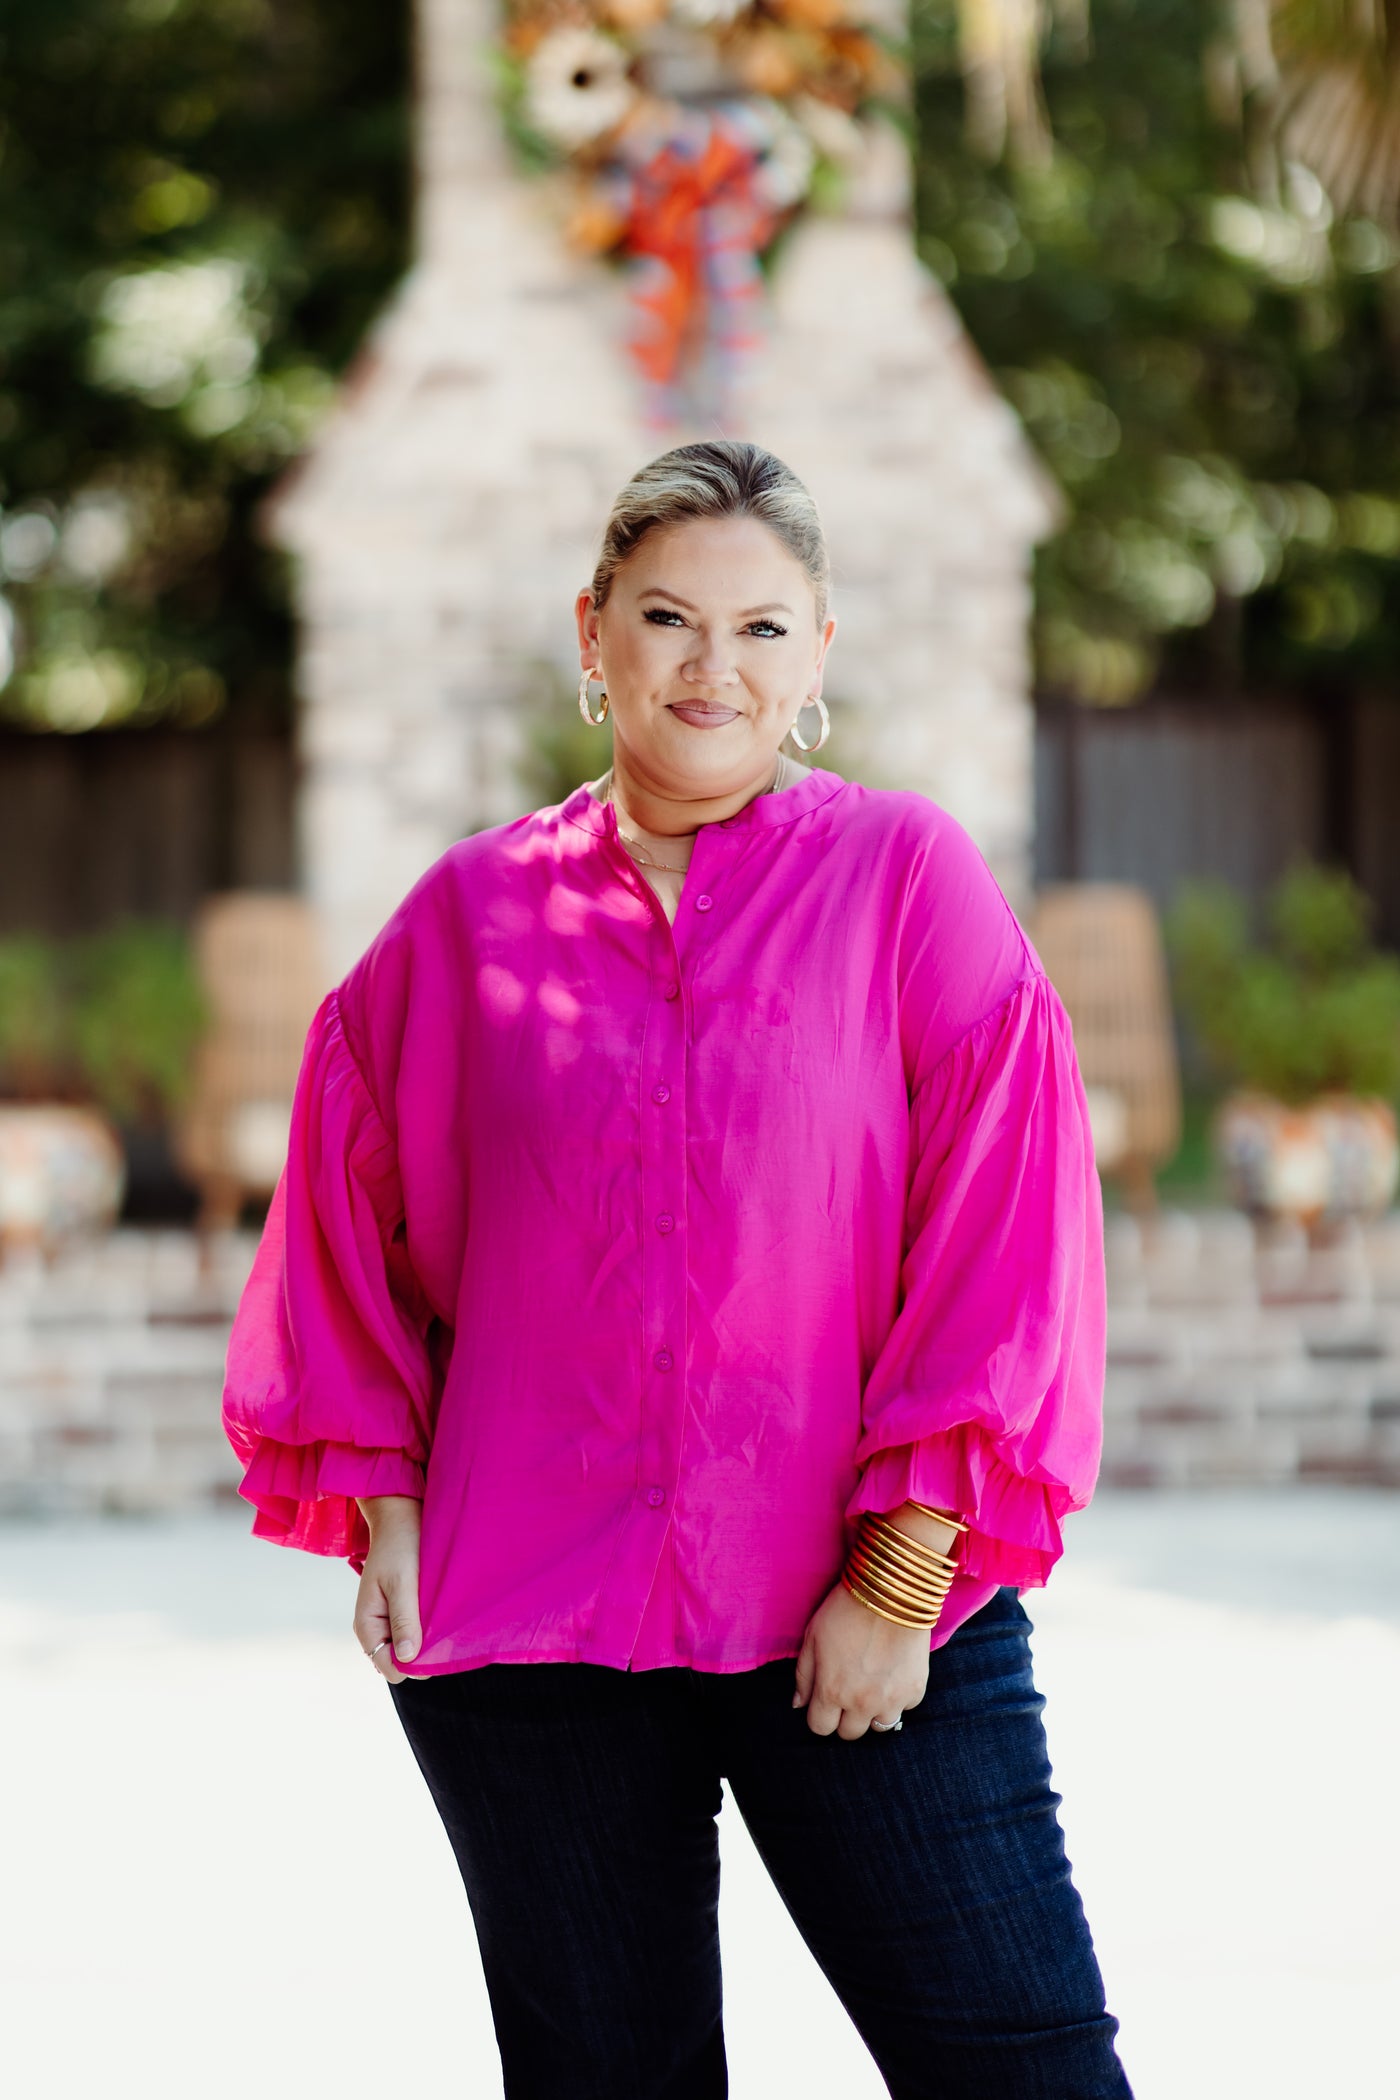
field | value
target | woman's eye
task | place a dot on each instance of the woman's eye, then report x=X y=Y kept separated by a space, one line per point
x=667 y=616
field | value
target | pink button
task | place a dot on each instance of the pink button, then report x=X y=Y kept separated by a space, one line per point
x=665 y=1221
x=663 y=1359
x=704 y=903
x=661 y=1093
x=656 y=1496
x=673 y=991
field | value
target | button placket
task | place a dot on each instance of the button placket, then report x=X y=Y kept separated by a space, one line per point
x=664 y=1256
x=664 y=1278
x=623 y=1601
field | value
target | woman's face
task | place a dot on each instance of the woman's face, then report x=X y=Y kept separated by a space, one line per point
x=708 y=646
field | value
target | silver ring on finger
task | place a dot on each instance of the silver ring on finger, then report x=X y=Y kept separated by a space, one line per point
x=887 y=1727
x=383 y=1644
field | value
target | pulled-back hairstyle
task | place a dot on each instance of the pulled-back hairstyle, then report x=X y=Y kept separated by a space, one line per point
x=715 y=478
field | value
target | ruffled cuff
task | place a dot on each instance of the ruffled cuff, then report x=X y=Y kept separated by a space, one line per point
x=305 y=1494
x=1014 y=1534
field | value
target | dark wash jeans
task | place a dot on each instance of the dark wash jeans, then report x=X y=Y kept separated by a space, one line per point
x=924 y=1867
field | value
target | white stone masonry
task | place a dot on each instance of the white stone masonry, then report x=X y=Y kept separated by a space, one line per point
x=452 y=506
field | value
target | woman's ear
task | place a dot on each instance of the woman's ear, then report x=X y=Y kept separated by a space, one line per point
x=586 y=618
x=828 y=636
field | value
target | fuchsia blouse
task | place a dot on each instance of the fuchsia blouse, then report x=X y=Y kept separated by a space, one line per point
x=647 y=1256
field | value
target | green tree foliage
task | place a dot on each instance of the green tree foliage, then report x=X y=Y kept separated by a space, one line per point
x=1211 y=372
x=202 y=205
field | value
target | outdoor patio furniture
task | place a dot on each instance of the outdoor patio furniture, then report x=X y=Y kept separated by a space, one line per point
x=1102 y=949
x=257 y=955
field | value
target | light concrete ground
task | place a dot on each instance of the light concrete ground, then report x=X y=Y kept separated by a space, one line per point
x=222 y=1875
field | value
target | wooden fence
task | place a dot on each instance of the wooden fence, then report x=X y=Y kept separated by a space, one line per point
x=1174 y=788
x=98 y=827
x=93 y=827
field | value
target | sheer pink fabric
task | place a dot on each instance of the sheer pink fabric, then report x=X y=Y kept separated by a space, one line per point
x=648 y=1256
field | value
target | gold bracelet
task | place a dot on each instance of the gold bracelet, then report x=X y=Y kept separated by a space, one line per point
x=922 y=1609
x=912 y=1550
x=906 y=1600
x=944 y=1516
x=898 y=1618
x=893 y=1558
x=880 y=1564
x=875 y=1530
x=885 y=1523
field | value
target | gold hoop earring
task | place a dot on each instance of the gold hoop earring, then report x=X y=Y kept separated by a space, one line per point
x=813 y=700
x=593 y=721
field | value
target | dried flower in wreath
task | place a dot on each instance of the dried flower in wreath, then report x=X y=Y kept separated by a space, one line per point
x=577 y=87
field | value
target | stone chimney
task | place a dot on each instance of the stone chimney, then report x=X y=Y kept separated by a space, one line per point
x=450 y=509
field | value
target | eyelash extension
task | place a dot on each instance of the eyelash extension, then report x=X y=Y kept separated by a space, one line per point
x=662 y=616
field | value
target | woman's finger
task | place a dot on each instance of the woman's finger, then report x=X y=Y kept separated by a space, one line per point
x=372 y=1628
x=806 y=1664
x=824 y=1715
x=371 y=1621
x=403 y=1614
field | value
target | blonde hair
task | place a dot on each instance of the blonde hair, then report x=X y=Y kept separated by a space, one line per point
x=715 y=478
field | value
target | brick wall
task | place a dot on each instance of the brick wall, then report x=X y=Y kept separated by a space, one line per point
x=111 y=1372
x=1241 y=1354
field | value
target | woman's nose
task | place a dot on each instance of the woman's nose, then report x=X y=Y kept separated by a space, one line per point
x=710 y=663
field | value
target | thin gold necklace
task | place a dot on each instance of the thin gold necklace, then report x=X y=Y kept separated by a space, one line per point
x=637 y=850
x=635 y=846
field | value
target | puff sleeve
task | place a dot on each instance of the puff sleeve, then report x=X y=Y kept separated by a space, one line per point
x=329 y=1385
x=987 y=1395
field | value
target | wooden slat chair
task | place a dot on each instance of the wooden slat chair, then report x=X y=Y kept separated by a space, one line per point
x=1102 y=949
x=258 y=960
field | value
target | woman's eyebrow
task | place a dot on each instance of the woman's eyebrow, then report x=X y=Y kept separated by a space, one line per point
x=657 y=590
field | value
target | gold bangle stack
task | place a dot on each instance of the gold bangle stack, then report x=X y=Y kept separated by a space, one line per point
x=898 y=1576
x=944 y=1516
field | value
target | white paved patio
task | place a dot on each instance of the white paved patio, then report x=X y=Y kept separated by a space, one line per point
x=223 y=1876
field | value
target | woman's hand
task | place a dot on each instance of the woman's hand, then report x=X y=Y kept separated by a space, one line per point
x=855 y=1667
x=386 y=1606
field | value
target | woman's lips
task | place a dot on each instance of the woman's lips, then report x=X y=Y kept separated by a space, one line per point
x=701 y=717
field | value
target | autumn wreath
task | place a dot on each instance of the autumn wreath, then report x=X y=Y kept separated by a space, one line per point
x=688 y=134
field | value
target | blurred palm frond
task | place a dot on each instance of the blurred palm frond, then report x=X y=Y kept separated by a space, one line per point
x=1322 y=75
x=1336 y=104
x=999 y=44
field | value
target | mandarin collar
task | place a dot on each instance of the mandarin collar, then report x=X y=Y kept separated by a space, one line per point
x=763 y=813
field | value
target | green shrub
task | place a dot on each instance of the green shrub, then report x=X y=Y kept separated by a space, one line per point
x=112 y=1018
x=137 y=1015
x=34 y=1031
x=1315 y=1008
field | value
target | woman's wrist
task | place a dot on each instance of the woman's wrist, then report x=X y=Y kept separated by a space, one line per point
x=386 y=1512
x=897 y=1569
x=913 y=1519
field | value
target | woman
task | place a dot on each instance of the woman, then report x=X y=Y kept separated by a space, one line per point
x=684 y=1308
